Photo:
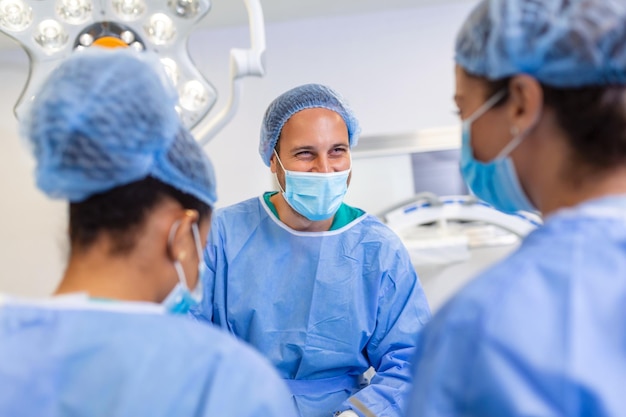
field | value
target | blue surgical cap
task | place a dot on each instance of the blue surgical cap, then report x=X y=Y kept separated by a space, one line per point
x=106 y=118
x=561 y=43
x=306 y=96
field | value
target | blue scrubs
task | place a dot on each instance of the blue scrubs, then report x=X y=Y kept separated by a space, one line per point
x=322 y=306
x=543 y=333
x=128 y=360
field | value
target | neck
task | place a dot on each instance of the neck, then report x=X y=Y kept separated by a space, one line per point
x=566 y=193
x=101 y=275
x=295 y=220
x=552 y=177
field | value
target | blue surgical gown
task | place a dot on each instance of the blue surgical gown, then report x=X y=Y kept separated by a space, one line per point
x=542 y=333
x=122 y=360
x=322 y=306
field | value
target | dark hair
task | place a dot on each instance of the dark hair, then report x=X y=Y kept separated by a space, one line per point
x=594 y=119
x=121 y=211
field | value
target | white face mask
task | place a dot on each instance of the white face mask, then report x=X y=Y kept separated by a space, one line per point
x=315 y=195
x=180 y=300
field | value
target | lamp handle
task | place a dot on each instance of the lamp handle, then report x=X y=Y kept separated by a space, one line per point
x=243 y=63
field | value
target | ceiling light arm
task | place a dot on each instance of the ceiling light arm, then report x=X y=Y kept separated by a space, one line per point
x=243 y=63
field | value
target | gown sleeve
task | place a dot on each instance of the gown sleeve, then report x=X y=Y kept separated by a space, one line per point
x=402 y=312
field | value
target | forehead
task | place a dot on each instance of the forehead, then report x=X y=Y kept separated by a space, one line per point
x=313 y=125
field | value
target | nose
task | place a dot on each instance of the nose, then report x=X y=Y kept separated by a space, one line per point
x=322 y=164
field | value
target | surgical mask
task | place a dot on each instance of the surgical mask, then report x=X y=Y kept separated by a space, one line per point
x=315 y=195
x=495 y=182
x=180 y=300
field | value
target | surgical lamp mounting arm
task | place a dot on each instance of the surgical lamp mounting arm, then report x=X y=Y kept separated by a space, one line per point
x=243 y=63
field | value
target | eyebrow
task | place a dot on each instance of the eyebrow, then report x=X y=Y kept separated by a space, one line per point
x=302 y=148
x=312 y=148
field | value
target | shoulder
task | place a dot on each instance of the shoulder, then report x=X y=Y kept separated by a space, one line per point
x=251 y=204
x=204 y=345
x=373 y=228
x=246 y=211
x=503 y=293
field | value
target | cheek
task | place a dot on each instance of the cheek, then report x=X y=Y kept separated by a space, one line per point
x=280 y=178
x=489 y=137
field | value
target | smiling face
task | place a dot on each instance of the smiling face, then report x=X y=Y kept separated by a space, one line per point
x=312 y=140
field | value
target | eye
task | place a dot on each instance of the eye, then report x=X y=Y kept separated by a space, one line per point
x=339 y=150
x=303 y=154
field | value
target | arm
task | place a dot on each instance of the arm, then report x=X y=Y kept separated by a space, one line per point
x=402 y=312
x=204 y=312
x=246 y=385
x=445 y=353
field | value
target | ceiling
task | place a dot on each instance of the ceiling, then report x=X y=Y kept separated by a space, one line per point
x=233 y=12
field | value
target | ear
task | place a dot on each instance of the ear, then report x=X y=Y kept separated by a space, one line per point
x=180 y=241
x=273 y=163
x=526 y=101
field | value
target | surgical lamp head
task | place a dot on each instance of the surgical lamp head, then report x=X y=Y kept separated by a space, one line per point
x=51 y=31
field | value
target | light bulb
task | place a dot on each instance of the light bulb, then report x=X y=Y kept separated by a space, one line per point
x=74 y=11
x=127 y=36
x=171 y=69
x=184 y=8
x=86 y=39
x=137 y=46
x=50 y=35
x=15 y=15
x=129 y=9
x=194 y=96
x=160 y=28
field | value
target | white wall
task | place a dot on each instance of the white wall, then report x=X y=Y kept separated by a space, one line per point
x=395 y=69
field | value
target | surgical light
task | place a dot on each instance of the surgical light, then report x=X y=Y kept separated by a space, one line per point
x=15 y=15
x=51 y=30
x=184 y=8
x=137 y=46
x=51 y=36
x=194 y=96
x=86 y=39
x=127 y=36
x=171 y=69
x=129 y=9
x=160 y=29
x=74 y=11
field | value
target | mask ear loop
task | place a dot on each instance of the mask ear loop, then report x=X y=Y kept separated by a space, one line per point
x=486 y=106
x=510 y=147
x=276 y=173
x=195 y=231
x=177 y=265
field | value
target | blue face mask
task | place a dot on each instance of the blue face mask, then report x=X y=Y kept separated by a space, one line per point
x=496 y=181
x=317 y=196
x=180 y=300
